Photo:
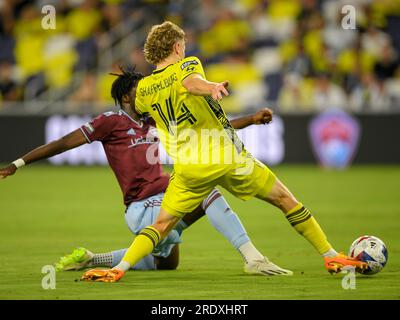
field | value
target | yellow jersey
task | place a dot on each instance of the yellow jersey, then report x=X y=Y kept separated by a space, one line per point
x=193 y=129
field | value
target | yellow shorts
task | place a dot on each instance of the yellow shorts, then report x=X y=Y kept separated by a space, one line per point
x=244 y=181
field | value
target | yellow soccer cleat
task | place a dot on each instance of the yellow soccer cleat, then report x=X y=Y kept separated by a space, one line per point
x=337 y=263
x=79 y=259
x=103 y=275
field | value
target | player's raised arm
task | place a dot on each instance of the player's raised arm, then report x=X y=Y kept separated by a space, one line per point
x=69 y=141
x=197 y=85
x=262 y=116
x=194 y=80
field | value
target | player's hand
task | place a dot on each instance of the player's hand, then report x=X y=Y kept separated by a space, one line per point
x=219 y=90
x=7 y=171
x=263 y=116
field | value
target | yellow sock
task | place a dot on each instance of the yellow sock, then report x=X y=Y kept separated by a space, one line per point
x=304 y=223
x=143 y=245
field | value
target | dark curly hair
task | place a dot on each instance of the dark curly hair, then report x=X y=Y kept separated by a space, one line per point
x=126 y=80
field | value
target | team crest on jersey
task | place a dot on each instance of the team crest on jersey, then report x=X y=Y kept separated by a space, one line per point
x=334 y=136
x=150 y=138
x=188 y=63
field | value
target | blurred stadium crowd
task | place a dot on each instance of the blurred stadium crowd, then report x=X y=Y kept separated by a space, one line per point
x=293 y=54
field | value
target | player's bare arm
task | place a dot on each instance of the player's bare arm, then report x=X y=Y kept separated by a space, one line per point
x=199 y=86
x=262 y=116
x=69 y=141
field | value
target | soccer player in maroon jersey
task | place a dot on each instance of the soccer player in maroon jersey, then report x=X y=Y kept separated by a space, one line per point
x=131 y=146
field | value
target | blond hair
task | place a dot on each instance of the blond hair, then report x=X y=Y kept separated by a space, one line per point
x=160 y=41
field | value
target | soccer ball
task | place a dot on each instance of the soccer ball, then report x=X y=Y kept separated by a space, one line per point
x=371 y=250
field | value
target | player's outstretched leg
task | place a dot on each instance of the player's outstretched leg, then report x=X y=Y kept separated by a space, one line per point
x=79 y=259
x=226 y=221
x=305 y=224
x=82 y=258
x=142 y=245
x=149 y=262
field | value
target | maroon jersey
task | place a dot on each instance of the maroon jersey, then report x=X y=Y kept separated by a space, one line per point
x=132 y=152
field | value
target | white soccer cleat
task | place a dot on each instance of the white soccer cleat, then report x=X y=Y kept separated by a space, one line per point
x=79 y=258
x=266 y=268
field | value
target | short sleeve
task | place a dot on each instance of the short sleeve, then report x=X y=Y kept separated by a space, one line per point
x=191 y=65
x=139 y=106
x=98 y=129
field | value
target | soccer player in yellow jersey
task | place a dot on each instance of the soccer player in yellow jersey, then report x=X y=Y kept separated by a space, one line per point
x=206 y=151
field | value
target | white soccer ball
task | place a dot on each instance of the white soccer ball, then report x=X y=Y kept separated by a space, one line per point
x=371 y=250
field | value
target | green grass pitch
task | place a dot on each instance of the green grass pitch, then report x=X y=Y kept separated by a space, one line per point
x=47 y=211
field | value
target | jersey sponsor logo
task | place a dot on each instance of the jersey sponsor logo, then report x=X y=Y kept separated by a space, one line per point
x=334 y=136
x=188 y=63
x=148 y=139
x=89 y=127
x=131 y=132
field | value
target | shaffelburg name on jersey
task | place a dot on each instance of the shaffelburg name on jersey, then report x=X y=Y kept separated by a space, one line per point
x=155 y=87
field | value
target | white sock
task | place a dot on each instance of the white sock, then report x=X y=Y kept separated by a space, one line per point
x=123 y=265
x=102 y=259
x=330 y=253
x=250 y=252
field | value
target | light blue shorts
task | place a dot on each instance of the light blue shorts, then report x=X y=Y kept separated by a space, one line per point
x=143 y=213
